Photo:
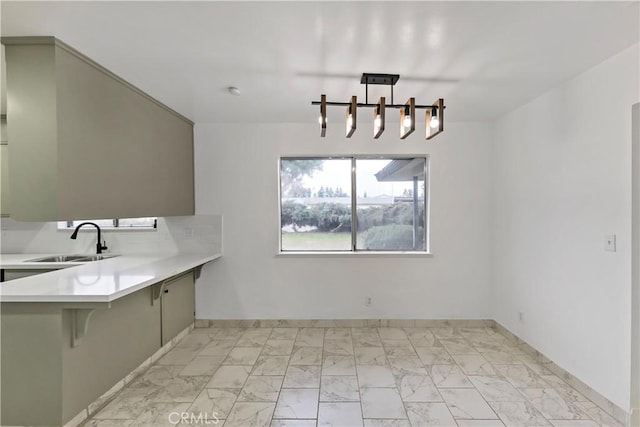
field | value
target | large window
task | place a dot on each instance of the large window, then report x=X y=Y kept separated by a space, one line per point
x=353 y=204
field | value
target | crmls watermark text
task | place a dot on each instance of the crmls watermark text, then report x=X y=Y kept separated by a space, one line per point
x=191 y=418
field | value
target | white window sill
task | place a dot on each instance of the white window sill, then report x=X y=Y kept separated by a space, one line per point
x=388 y=254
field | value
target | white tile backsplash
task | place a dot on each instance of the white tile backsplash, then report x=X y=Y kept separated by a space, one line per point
x=198 y=233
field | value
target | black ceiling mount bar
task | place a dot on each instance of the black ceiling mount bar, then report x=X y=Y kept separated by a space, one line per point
x=378 y=79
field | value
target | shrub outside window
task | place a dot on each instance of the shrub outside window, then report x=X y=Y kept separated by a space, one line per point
x=353 y=204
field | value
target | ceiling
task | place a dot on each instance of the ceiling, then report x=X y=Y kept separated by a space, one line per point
x=484 y=58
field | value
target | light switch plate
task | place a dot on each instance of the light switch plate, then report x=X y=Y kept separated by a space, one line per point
x=610 y=243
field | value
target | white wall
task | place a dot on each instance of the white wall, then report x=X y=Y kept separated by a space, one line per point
x=561 y=182
x=236 y=176
x=635 y=271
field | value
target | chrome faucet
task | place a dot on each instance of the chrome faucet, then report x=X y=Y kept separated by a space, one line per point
x=99 y=246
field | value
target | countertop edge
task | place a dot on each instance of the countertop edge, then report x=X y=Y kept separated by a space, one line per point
x=192 y=261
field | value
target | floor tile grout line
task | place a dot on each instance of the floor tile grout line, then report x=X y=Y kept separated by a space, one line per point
x=437 y=389
x=324 y=333
x=358 y=380
x=243 y=384
x=283 y=377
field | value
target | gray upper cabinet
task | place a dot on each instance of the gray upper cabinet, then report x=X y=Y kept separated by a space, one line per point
x=87 y=144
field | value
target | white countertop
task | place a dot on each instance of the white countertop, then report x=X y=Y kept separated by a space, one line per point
x=96 y=281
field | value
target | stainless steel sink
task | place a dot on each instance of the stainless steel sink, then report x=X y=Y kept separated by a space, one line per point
x=72 y=258
x=98 y=257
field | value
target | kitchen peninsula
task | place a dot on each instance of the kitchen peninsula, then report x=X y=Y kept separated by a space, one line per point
x=71 y=335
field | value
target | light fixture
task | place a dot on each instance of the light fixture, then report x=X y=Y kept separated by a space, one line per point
x=352 y=109
x=406 y=121
x=408 y=118
x=434 y=116
x=378 y=119
x=434 y=119
x=323 y=115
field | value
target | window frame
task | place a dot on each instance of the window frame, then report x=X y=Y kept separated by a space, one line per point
x=69 y=225
x=354 y=251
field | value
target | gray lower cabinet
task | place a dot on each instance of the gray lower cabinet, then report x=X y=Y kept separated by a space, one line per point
x=178 y=305
x=57 y=358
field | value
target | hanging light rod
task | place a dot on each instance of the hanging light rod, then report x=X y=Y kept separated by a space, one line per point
x=360 y=104
x=434 y=116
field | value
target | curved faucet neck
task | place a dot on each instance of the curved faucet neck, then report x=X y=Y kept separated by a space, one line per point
x=99 y=246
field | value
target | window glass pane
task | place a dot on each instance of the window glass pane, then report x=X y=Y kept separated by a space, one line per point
x=390 y=204
x=136 y=222
x=100 y=222
x=315 y=204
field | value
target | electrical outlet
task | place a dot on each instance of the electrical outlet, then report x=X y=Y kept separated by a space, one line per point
x=367 y=301
x=610 y=243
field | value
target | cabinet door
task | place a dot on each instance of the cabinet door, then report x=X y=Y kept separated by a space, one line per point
x=178 y=305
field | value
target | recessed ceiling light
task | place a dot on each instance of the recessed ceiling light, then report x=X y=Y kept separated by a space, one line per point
x=233 y=90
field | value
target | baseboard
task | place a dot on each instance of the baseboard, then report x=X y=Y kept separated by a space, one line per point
x=605 y=404
x=343 y=323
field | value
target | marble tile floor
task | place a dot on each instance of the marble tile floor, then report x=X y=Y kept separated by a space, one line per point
x=373 y=377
